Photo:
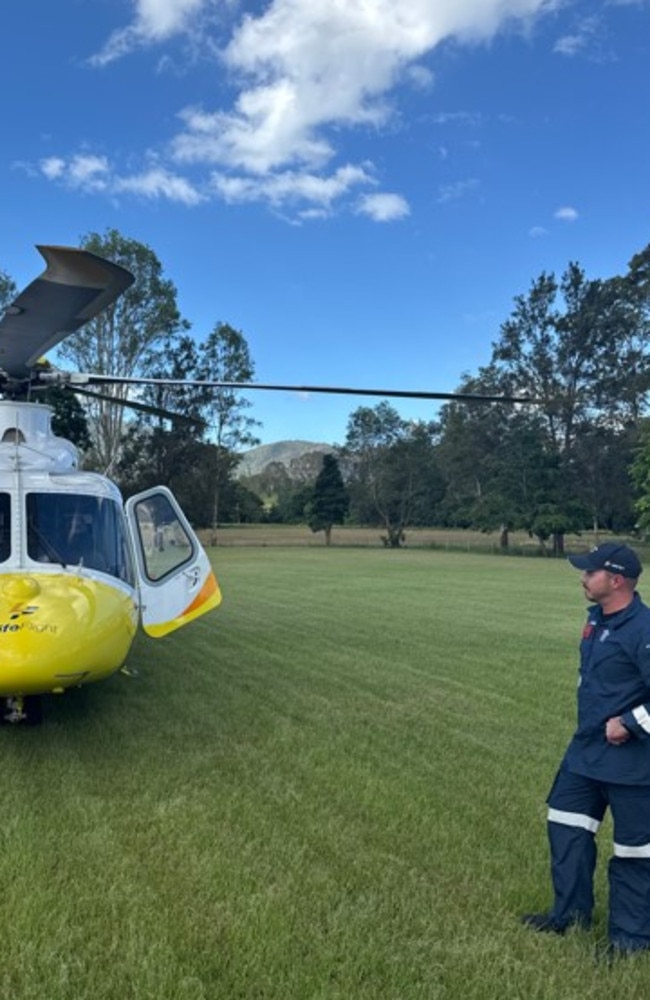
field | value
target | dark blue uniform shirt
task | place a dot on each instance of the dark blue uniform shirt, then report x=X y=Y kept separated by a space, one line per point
x=614 y=681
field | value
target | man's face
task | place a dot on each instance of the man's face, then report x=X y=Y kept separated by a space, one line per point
x=598 y=585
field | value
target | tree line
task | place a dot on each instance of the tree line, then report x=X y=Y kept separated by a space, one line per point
x=576 y=457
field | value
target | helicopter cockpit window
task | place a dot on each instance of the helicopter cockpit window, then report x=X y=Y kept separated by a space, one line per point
x=5 y=526
x=164 y=543
x=78 y=530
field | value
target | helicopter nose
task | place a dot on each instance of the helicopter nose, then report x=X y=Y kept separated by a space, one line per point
x=21 y=588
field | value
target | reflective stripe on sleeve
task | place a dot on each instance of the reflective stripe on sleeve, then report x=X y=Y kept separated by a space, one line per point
x=625 y=851
x=642 y=717
x=573 y=819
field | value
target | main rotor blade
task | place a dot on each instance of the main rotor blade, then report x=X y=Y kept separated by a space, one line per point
x=132 y=404
x=75 y=286
x=467 y=397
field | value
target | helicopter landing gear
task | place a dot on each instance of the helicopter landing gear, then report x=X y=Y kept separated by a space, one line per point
x=24 y=710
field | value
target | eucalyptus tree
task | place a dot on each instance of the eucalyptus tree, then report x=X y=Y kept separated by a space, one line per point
x=155 y=449
x=560 y=346
x=388 y=464
x=197 y=456
x=566 y=345
x=120 y=340
x=493 y=458
x=225 y=357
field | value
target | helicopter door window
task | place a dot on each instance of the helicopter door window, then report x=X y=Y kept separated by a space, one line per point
x=164 y=543
x=5 y=526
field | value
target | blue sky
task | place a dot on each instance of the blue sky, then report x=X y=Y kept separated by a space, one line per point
x=361 y=186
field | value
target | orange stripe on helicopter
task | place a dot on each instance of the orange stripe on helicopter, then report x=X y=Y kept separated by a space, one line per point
x=208 y=597
x=209 y=588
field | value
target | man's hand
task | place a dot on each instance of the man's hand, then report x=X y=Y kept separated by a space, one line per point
x=615 y=731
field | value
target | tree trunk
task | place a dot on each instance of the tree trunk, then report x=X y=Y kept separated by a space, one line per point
x=394 y=537
x=596 y=529
x=215 y=517
x=503 y=537
x=328 y=534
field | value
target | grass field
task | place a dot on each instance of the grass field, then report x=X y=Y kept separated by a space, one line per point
x=332 y=788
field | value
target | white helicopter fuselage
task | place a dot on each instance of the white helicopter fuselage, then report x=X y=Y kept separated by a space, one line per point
x=78 y=570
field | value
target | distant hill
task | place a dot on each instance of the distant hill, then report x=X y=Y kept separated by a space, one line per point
x=287 y=453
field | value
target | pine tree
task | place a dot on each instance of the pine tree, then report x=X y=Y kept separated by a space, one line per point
x=329 y=503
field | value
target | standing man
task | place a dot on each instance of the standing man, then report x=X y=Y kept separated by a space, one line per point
x=607 y=762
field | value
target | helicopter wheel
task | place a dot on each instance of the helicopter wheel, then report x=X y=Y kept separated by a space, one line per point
x=25 y=711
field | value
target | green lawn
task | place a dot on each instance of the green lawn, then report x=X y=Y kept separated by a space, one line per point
x=332 y=787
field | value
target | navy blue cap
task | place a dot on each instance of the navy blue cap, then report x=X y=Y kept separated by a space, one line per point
x=613 y=557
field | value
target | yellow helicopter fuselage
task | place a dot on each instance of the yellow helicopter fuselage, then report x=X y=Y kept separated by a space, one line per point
x=59 y=630
x=77 y=572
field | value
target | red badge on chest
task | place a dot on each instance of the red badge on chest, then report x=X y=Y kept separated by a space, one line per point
x=588 y=630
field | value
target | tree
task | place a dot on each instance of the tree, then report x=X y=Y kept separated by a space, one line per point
x=494 y=464
x=8 y=291
x=634 y=359
x=388 y=462
x=225 y=357
x=563 y=345
x=120 y=340
x=640 y=472
x=602 y=459
x=155 y=450
x=69 y=417
x=330 y=501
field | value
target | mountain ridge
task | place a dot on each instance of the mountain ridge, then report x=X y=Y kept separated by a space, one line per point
x=254 y=461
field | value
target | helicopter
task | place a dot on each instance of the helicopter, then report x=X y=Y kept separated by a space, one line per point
x=80 y=570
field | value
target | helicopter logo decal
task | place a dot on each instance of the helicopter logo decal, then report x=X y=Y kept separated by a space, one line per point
x=29 y=610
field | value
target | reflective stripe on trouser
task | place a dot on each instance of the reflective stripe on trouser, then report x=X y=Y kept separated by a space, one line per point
x=576 y=808
x=629 y=869
x=574 y=815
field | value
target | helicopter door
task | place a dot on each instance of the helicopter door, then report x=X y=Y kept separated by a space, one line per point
x=176 y=580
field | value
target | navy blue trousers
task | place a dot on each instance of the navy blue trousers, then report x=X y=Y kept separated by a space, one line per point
x=577 y=806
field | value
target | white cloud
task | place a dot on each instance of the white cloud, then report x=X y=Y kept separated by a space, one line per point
x=305 y=70
x=536 y=232
x=566 y=214
x=92 y=174
x=159 y=183
x=291 y=187
x=84 y=172
x=420 y=77
x=53 y=167
x=383 y=207
x=310 y=64
x=472 y=118
x=457 y=190
x=154 y=21
x=585 y=38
